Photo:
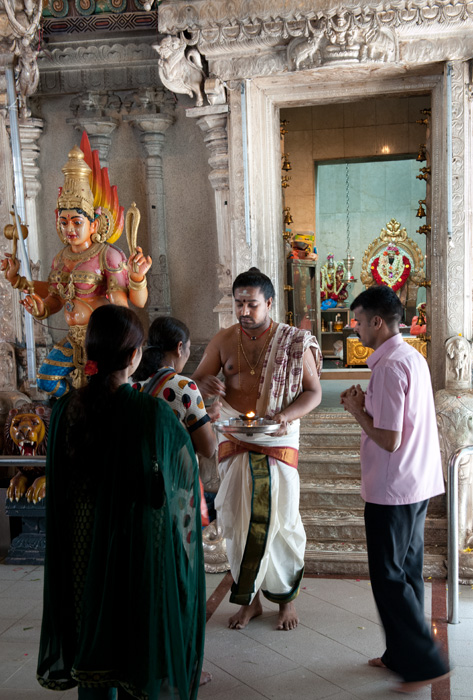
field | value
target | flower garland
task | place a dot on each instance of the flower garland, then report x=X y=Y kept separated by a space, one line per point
x=398 y=282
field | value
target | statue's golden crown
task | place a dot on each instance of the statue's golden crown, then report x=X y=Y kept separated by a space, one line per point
x=76 y=193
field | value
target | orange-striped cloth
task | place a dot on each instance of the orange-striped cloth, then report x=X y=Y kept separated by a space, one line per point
x=232 y=446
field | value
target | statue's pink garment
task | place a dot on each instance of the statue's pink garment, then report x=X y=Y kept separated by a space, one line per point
x=114 y=268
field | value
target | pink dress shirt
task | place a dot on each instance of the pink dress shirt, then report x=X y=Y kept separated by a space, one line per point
x=399 y=397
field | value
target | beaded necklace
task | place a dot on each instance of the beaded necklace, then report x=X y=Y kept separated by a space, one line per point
x=252 y=367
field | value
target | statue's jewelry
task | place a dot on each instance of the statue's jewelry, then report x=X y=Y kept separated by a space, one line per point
x=20 y=284
x=255 y=337
x=44 y=315
x=136 y=286
x=84 y=255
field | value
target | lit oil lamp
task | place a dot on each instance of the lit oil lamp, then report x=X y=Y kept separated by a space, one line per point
x=247 y=423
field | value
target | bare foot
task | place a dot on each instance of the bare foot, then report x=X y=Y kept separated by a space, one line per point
x=245 y=614
x=287 y=619
x=377 y=662
x=205 y=677
x=412 y=686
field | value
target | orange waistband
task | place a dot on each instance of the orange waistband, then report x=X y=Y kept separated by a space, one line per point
x=233 y=446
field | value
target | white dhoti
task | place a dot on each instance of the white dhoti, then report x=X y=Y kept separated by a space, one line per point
x=258 y=509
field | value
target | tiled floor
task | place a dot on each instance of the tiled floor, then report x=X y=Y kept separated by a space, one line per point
x=326 y=657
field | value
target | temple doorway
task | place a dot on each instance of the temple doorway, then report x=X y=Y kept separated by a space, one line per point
x=357 y=179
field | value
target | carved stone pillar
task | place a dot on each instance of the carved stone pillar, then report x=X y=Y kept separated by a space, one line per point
x=152 y=128
x=91 y=115
x=10 y=310
x=213 y=122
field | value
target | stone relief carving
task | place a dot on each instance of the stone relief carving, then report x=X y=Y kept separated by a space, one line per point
x=18 y=26
x=455 y=260
x=454 y=407
x=214 y=88
x=218 y=18
x=180 y=71
x=7 y=367
x=344 y=37
x=458 y=363
x=241 y=40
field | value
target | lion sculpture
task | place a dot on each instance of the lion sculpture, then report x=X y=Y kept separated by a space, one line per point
x=26 y=433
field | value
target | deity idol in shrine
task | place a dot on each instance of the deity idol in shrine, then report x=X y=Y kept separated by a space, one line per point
x=333 y=281
x=88 y=272
x=391 y=268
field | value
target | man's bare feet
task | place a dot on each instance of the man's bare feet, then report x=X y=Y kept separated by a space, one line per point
x=288 y=619
x=412 y=686
x=377 y=662
x=205 y=677
x=245 y=614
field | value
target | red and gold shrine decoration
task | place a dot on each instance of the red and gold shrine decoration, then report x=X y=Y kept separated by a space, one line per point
x=391 y=268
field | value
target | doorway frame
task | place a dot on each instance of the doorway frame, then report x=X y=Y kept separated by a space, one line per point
x=448 y=269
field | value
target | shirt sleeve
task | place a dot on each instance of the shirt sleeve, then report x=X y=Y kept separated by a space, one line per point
x=386 y=398
x=196 y=415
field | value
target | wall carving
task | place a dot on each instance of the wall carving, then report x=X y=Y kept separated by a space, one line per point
x=96 y=65
x=456 y=255
x=245 y=40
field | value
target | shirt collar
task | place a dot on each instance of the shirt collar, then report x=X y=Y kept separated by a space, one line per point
x=385 y=347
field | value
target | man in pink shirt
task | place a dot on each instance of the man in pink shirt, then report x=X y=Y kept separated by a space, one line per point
x=400 y=470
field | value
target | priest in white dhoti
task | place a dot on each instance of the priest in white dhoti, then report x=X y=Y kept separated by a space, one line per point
x=272 y=370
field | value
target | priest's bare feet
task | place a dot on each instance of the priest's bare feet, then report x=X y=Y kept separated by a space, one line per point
x=205 y=677
x=245 y=614
x=413 y=686
x=377 y=662
x=288 y=619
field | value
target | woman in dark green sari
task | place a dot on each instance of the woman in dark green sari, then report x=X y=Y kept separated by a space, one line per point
x=124 y=591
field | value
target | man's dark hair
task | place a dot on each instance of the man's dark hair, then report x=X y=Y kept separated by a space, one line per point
x=254 y=278
x=380 y=301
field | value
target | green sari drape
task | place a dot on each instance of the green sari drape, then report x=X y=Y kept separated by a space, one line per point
x=124 y=590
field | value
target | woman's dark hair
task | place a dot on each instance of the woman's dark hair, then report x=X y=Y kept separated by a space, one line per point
x=165 y=334
x=255 y=278
x=113 y=333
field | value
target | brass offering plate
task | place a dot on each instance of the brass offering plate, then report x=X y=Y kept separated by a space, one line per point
x=247 y=426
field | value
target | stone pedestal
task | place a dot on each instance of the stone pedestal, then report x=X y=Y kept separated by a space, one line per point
x=29 y=546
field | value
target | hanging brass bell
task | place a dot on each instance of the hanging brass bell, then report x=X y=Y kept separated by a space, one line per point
x=421 y=155
x=421 y=211
x=287 y=216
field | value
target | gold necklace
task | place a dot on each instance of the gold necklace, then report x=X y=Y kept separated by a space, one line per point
x=82 y=255
x=252 y=368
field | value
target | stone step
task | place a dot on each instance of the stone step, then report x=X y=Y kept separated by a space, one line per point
x=341 y=438
x=329 y=526
x=340 y=494
x=327 y=416
x=330 y=463
x=326 y=561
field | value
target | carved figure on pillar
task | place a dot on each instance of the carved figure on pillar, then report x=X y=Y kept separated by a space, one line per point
x=454 y=407
x=88 y=272
x=21 y=29
x=180 y=72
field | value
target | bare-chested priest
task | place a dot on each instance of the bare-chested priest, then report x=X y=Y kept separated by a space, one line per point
x=273 y=370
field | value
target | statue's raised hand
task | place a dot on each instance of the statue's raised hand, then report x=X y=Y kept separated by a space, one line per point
x=34 y=304
x=139 y=264
x=10 y=267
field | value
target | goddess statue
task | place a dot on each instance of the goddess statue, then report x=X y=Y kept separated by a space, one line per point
x=88 y=272
x=333 y=280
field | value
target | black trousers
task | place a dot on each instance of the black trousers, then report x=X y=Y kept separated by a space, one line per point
x=395 y=540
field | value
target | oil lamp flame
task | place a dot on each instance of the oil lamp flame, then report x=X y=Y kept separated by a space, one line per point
x=251 y=414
